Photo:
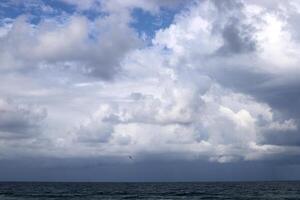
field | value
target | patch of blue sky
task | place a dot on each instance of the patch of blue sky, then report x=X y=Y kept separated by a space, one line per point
x=146 y=23
x=39 y=10
x=35 y=10
x=61 y=6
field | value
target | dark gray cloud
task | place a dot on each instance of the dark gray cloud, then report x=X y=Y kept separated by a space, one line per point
x=237 y=39
x=237 y=35
x=228 y=6
x=279 y=91
x=19 y=121
x=95 y=132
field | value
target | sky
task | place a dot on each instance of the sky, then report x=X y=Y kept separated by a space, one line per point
x=140 y=90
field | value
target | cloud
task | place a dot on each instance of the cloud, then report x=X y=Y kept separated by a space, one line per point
x=181 y=120
x=256 y=47
x=234 y=122
x=95 y=48
x=219 y=83
x=19 y=121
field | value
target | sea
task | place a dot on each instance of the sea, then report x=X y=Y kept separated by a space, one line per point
x=181 y=190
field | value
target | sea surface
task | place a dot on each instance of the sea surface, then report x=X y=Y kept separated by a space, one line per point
x=220 y=190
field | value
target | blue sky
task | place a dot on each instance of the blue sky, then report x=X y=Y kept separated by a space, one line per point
x=99 y=88
x=148 y=23
x=144 y=21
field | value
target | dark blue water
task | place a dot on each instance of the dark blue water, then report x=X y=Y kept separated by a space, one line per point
x=233 y=190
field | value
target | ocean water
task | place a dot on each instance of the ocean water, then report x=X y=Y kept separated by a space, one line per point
x=221 y=190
